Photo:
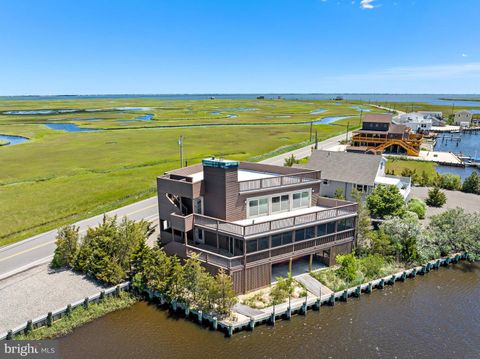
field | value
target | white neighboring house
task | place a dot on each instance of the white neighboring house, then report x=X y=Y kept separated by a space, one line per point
x=463 y=118
x=348 y=170
x=419 y=122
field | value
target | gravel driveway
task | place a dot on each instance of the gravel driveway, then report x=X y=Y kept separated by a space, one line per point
x=38 y=291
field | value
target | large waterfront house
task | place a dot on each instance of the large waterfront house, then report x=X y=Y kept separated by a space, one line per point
x=347 y=171
x=421 y=121
x=250 y=218
x=380 y=135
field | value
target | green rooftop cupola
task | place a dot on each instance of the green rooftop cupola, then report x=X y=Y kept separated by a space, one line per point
x=220 y=163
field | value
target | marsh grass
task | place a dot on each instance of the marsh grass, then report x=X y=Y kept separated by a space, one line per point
x=79 y=317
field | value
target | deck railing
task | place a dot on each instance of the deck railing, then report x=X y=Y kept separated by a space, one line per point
x=254 y=229
x=285 y=180
x=273 y=253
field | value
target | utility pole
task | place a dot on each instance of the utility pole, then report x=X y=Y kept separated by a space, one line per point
x=180 y=144
x=316 y=139
x=453 y=107
x=311 y=129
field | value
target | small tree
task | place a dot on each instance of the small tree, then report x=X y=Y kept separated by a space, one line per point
x=424 y=180
x=339 y=193
x=436 y=198
x=349 y=267
x=472 y=184
x=385 y=201
x=226 y=297
x=450 y=181
x=364 y=227
x=290 y=161
x=404 y=233
x=417 y=206
x=67 y=247
x=382 y=244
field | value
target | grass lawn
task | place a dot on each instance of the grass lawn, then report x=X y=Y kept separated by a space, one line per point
x=395 y=166
x=60 y=177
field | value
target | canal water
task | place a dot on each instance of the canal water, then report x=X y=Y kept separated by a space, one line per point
x=435 y=316
x=467 y=144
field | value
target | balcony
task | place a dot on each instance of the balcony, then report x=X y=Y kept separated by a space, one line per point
x=279 y=181
x=274 y=254
x=307 y=216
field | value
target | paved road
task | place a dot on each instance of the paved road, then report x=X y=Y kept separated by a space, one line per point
x=305 y=151
x=39 y=249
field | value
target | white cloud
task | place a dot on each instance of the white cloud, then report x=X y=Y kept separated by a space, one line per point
x=464 y=55
x=367 y=4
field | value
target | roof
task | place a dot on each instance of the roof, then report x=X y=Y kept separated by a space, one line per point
x=394 y=128
x=378 y=117
x=347 y=167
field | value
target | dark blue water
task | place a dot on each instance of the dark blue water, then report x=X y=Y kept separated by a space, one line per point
x=467 y=144
x=13 y=140
x=68 y=127
x=463 y=172
x=428 y=98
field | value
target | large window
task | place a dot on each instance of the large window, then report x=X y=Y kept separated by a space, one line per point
x=258 y=207
x=259 y=244
x=300 y=199
x=264 y=206
x=325 y=228
x=304 y=234
x=344 y=224
x=281 y=239
x=280 y=203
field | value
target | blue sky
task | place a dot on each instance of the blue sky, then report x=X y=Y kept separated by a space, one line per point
x=248 y=46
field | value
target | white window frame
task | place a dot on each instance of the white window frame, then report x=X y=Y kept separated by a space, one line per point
x=269 y=199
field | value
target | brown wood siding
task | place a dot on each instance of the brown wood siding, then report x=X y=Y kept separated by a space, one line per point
x=259 y=276
x=238 y=282
x=340 y=249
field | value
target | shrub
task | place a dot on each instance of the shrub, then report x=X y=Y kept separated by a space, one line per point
x=472 y=184
x=417 y=206
x=348 y=267
x=371 y=266
x=67 y=247
x=436 y=198
x=449 y=181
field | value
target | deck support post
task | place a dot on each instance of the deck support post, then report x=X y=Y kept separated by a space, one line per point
x=214 y=323
x=272 y=318
x=381 y=284
x=200 y=317
x=369 y=288
x=251 y=324
x=331 y=301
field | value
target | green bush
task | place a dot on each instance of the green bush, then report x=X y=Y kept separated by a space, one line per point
x=371 y=266
x=472 y=184
x=417 y=206
x=436 y=198
x=449 y=181
x=385 y=201
x=349 y=267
